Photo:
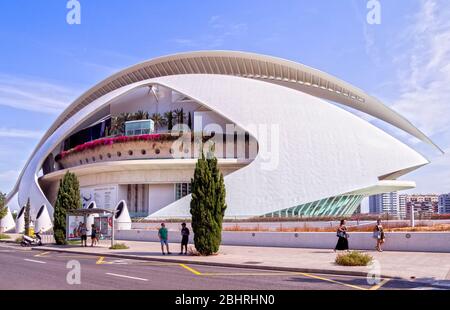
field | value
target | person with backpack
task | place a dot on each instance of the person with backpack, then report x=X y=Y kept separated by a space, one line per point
x=378 y=234
x=342 y=244
x=83 y=234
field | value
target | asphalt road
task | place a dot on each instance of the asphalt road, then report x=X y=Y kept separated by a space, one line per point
x=33 y=270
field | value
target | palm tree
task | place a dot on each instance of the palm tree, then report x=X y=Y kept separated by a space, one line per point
x=118 y=125
x=159 y=120
x=180 y=115
x=169 y=118
x=141 y=115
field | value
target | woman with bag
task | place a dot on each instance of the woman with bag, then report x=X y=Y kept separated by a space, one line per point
x=378 y=234
x=342 y=244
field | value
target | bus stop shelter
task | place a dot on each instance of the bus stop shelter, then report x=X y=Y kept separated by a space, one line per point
x=73 y=217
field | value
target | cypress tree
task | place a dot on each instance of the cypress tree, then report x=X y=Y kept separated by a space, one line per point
x=27 y=218
x=3 y=207
x=170 y=121
x=190 y=121
x=208 y=205
x=68 y=199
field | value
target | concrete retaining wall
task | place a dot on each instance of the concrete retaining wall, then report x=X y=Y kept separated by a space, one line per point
x=276 y=226
x=412 y=242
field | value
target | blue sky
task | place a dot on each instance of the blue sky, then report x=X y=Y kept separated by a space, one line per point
x=45 y=63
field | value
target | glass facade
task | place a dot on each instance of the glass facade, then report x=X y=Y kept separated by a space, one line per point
x=182 y=190
x=344 y=205
x=136 y=128
x=92 y=133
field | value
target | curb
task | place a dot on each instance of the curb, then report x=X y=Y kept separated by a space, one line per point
x=228 y=265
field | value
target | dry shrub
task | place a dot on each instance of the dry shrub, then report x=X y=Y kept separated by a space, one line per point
x=354 y=258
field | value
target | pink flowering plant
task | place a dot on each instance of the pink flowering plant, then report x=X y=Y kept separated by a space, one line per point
x=116 y=140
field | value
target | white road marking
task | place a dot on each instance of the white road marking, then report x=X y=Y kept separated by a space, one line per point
x=35 y=261
x=119 y=262
x=127 y=277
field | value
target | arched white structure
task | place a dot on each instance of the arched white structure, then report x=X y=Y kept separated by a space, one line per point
x=122 y=217
x=20 y=221
x=324 y=152
x=43 y=221
x=7 y=223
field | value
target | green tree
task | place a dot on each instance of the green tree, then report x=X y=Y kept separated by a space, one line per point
x=117 y=125
x=169 y=118
x=190 y=121
x=141 y=115
x=159 y=121
x=3 y=207
x=27 y=218
x=68 y=199
x=180 y=116
x=207 y=205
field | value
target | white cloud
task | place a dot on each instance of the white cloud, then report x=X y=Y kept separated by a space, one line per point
x=424 y=77
x=423 y=56
x=18 y=133
x=34 y=94
x=7 y=180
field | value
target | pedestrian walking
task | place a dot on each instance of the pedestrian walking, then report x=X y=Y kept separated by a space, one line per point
x=342 y=244
x=378 y=234
x=83 y=234
x=94 y=235
x=184 y=238
x=163 y=237
x=77 y=232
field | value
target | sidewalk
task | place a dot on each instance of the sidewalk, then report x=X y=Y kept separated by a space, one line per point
x=406 y=265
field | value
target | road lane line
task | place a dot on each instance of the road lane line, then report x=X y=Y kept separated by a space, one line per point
x=333 y=281
x=154 y=264
x=35 y=261
x=279 y=274
x=197 y=273
x=126 y=277
x=41 y=254
x=282 y=273
x=100 y=260
x=379 y=285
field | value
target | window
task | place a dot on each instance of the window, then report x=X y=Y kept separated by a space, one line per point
x=182 y=190
x=136 y=128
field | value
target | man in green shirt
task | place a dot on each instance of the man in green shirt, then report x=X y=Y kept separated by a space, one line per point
x=163 y=237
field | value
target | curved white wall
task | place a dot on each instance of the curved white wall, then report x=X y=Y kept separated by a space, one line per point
x=324 y=151
x=43 y=220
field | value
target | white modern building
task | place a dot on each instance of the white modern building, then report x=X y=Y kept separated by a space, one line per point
x=444 y=204
x=283 y=141
x=385 y=203
x=403 y=206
